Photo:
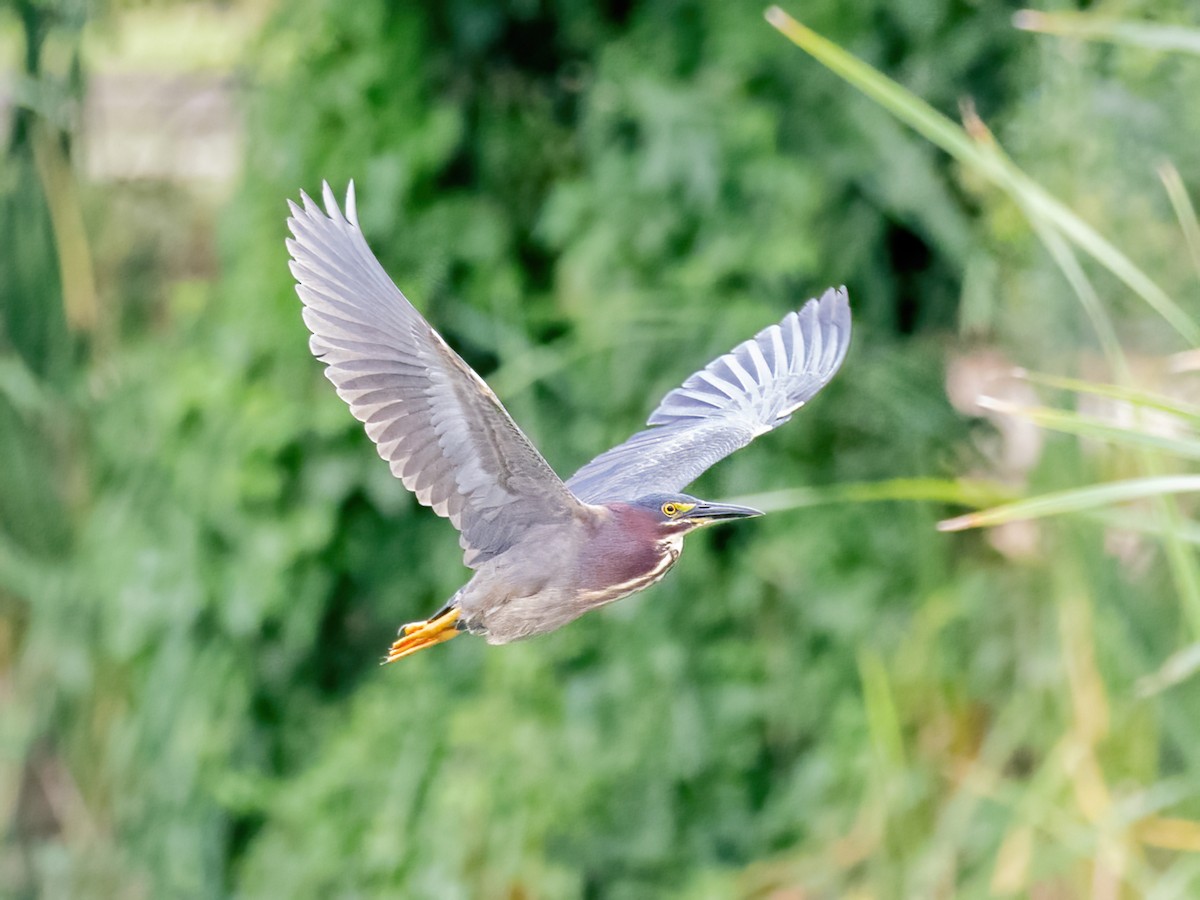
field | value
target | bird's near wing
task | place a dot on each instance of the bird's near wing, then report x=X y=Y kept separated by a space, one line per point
x=434 y=420
x=750 y=390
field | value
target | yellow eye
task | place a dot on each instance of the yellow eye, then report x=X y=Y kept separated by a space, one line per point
x=670 y=510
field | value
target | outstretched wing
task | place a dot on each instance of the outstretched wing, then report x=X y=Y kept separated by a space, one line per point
x=749 y=391
x=434 y=420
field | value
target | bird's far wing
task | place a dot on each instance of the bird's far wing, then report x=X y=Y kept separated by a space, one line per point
x=750 y=390
x=439 y=426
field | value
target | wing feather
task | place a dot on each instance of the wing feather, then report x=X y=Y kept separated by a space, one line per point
x=750 y=390
x=443 y=432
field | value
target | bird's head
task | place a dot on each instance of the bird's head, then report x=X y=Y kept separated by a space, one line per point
x=680 y=513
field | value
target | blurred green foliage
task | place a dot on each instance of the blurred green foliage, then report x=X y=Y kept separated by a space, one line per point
x=202 y=558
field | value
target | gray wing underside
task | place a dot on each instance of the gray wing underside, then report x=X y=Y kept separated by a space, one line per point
x=747 y=392
x=433 y=419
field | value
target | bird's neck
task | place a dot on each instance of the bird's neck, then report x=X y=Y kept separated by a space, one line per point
x=671 y=543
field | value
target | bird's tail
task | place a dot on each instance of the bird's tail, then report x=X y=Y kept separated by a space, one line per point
x=419 y=635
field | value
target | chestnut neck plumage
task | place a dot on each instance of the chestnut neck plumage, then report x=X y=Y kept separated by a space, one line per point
x=631 y=551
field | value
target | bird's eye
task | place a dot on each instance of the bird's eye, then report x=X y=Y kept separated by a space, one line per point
x=670 y=510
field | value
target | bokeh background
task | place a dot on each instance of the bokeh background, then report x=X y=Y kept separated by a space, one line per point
x=202 y=559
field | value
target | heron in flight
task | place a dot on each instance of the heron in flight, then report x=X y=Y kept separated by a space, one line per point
x=543 y=551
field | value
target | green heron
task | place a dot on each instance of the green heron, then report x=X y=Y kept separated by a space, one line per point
x=544 y=551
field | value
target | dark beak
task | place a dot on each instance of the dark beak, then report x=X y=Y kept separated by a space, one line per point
x=715 y=512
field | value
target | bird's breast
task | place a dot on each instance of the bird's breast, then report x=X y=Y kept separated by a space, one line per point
x=631 y=571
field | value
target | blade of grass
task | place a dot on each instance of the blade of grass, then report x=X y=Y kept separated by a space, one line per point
x=1069 y=422
x=938 y=490
x=21 y=387
x=993 y=166
x=1133 y=396
x=1171 y=834
x=80 y=297
x=1075 y=500
x=1180 y=558
x=1150 y=525
x=883 y=721
x=1184 y=210
x=1066 y=260
x=1086 y=26
x=1179 y=667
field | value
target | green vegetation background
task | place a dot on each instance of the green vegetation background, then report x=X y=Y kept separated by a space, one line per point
x=202 y=559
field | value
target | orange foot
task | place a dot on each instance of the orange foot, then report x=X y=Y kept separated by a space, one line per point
x=419 y=635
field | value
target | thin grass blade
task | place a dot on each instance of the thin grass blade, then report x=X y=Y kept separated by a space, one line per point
x=967 y=492
x=1068 y=422
x=1089 y=27
x=1134 y=396
x=1075 y=500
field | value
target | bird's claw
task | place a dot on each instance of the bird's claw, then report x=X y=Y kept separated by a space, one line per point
x=419 y=635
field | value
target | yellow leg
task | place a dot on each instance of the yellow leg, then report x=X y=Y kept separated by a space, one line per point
x=419 y=635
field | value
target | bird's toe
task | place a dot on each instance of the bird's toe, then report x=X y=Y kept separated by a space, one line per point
x=419 y=635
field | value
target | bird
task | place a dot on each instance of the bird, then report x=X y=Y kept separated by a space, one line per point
x=543 y=551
